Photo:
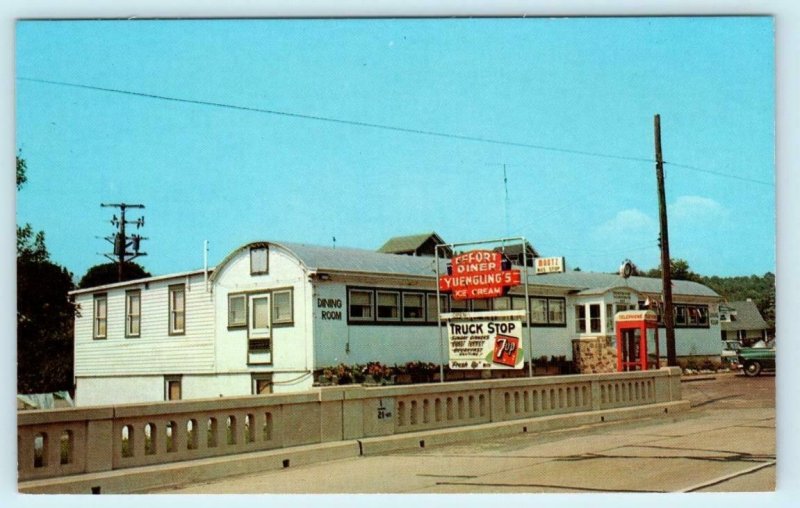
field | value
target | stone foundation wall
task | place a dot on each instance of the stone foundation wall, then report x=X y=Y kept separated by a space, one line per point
x=594 y=355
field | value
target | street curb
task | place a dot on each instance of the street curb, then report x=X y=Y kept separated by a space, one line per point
x=162 y=476
x=692 y=379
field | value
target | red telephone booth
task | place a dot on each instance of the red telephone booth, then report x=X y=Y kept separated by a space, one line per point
x=634 y=329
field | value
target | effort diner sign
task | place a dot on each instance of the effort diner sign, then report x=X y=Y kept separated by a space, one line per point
x=478 y=274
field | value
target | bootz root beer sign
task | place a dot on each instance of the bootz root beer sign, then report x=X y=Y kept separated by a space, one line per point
x=478 y=274
x=495 y=344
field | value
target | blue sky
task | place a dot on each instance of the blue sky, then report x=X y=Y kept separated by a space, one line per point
x=566 y=104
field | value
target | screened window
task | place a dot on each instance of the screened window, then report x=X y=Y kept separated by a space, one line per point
x=177 y=310
x=100 y=316
x=413 y=309
x=133 y=313
x=259 y=260
x=237 y=310
x=282 y=306
x=360 y=305
x=388 y=306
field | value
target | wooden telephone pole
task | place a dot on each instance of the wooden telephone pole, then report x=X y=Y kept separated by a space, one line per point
x=666 y=276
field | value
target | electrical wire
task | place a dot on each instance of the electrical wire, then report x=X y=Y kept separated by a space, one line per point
x=394 y=128
x=743 y=178
x=338 y=120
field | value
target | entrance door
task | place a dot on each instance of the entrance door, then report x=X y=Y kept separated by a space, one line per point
x=631 y=338
x=258 y=325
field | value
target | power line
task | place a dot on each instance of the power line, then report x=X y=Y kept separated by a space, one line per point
x=394 y=128
x=339 y=121
x=743 y=178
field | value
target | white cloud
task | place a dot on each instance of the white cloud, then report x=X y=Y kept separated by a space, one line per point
x=696 y=208
x=628 y=223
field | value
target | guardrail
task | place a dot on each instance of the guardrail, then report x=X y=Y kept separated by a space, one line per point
x=61 y=442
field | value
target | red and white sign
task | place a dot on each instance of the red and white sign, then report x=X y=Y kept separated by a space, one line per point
x=636 y=315
x=549 y=265
x=478 y=274
x=493 y=344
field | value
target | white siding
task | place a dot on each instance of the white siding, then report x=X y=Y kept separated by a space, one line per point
x=154 y=351
x=97 y=391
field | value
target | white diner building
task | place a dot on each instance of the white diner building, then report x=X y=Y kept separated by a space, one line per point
x=271 y=313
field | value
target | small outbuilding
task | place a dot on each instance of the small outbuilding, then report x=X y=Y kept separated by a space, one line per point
x=741 y=321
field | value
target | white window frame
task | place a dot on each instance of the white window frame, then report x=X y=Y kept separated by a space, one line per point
x=598 y=320
x=130 y=317
x=287 y=320
x=581 y=308
x=174 y=312
x=260 y=332
x=243 y=321
x=97 y=318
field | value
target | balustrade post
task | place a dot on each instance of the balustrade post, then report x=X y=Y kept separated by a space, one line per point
x=98 y=447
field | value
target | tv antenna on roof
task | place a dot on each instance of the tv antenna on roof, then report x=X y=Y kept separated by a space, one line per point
x=505 y=187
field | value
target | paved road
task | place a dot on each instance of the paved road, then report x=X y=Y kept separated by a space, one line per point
x=726 y=442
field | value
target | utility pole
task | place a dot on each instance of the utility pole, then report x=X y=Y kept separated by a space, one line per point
x=121 y=241
x=666 y=276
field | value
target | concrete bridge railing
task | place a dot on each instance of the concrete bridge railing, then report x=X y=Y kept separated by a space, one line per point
x=61 y=442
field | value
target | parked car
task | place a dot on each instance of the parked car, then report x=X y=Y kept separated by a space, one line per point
x=759 y=357
x=730 y=352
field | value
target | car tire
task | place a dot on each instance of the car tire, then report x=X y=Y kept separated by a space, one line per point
x=752 y=369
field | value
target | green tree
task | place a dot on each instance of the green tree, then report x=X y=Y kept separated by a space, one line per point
x=44 y=327
x=22 y=168
x=761 y=290
x=107 y=273
x=679 y=270
x=45 y=315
